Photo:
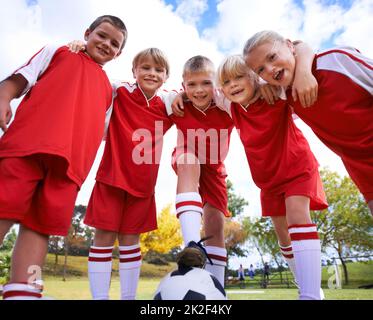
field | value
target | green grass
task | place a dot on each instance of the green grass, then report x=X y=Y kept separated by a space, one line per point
x=78 y=289
x=76 y=286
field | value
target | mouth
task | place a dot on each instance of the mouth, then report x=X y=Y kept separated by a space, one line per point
x=278 y=76
x=237 y=92
x=102 y=51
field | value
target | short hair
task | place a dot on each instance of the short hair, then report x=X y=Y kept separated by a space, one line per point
x=259 y=38
x=114 y=21
x=156 y=54
x=233 y=66
x=198 y=64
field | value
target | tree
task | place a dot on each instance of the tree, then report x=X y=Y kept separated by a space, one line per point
x=9 y=241
x=346 y=226
x=263 y=238
x=235 y=235
x=166 y=237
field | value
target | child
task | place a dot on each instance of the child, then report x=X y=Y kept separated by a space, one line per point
x=342 y=117
x=198 y=160
x=122 y=204
x=47 y=152
x=282 y=166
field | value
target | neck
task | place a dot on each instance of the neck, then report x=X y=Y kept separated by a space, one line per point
x=202 y=108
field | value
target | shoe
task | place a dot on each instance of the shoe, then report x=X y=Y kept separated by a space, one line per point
x=193 y=255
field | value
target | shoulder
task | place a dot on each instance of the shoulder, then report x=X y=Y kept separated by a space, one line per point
x=334 y=58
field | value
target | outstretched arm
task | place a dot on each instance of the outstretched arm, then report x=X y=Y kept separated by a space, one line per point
x=10 y=89
x=305 y=85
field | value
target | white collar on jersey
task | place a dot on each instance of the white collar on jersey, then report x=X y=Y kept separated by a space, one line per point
x=146 y=98
x=204 y=110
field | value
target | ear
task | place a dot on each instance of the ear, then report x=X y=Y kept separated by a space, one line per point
x=86 y=34
x=134 y=73
x=290 y=45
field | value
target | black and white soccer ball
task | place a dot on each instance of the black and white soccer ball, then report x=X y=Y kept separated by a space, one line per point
x=190 y=284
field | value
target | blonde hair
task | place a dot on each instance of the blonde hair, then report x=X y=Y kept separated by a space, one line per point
x=198 y=64
x=157 y=55
x=234 y=66
x=259 y=38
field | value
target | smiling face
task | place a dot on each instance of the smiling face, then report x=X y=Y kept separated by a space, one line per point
x=199 y=88
x=239 y=89
x=104 y=42
x=149 y=75
x=273 y=61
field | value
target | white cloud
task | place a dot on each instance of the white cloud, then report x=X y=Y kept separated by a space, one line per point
x=191 y=10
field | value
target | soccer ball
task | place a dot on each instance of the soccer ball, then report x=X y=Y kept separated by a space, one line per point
x=190 y=284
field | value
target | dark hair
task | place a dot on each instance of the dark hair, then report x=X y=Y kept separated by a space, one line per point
x=113 y=20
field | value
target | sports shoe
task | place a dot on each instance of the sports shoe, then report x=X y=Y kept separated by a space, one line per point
x=193 y=255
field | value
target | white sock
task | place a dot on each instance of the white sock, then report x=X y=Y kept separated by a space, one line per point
x=21 y=291
x=287 y=253
x=99 y=271
x=307 y=254
x=218 y=257
x=189 y=211
x=129 y=270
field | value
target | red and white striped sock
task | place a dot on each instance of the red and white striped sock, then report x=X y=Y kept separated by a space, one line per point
x=129 y=270
x=218 y=257
x=99 y=271
x=22 y=291
x=287 y=253
x=307 y=254
x=189 y=211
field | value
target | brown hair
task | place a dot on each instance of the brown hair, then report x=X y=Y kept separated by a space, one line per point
x=157 y=55
x=113 y=20
x=259 y=38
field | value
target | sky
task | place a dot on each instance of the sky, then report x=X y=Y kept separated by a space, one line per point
x=182 y=29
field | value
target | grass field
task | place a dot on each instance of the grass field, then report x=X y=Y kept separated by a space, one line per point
x=78 y=289
x=76 y=286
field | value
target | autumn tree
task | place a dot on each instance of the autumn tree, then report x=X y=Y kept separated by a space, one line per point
x=166 y=237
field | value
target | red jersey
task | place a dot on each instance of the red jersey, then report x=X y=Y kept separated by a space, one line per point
x=204 y=133
x=277 y=152
x=134 y=141
x=63 y=113
x=342 y=116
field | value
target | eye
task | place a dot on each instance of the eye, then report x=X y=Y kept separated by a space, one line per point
x=226 y=82
x=272 y=57
x=259 y=70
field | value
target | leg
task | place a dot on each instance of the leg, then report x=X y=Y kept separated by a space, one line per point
x=5 y=226
x=188 y=200
x=213 y=222
x=306 y=247
x=129 y=265
x=100 y=264
x=281 y=228
x=28 y=256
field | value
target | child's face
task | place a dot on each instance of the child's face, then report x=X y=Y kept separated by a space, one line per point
x=149 y=75
x=239 y=89
x=199 y=88
x=274 y=62
x=104 y=43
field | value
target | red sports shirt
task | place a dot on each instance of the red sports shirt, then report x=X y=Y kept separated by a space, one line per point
x=342 y=117
x=134 y=141
x=63 y=113
x=277 y=152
